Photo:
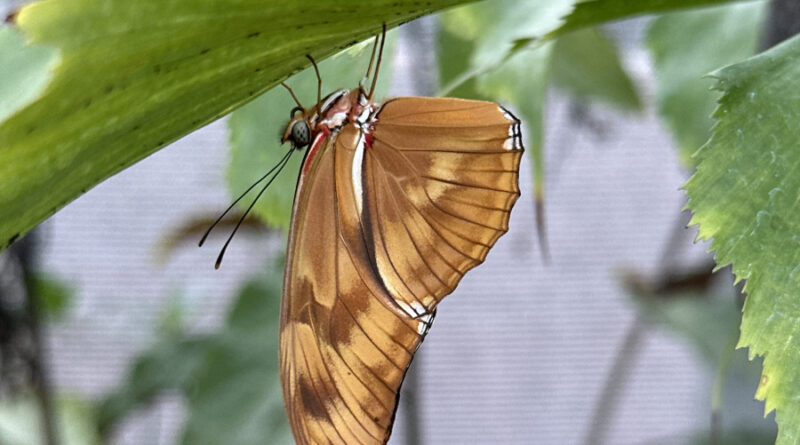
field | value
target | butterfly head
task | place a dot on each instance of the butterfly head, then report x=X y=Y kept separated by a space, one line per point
x=298 y=131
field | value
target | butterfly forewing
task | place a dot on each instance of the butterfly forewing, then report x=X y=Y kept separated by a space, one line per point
x=343 y=352
x=387 y=219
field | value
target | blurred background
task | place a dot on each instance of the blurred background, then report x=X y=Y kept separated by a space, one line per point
x=116 y=327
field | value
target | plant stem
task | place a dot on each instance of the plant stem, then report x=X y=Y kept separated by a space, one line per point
x=39 y=377
x=24 y=250
x=606 y=404
x=411 y=388
x=718 y=391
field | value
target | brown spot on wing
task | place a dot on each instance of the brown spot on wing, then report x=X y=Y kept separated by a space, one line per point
x=310 y=400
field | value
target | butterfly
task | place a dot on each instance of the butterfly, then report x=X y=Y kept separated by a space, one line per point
x=395 y=202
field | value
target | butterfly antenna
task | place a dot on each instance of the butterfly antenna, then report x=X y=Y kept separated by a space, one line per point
x=378 y=65
x=294 y=97
x=205 y=235
x=280 y=166
x=372 y=57
x=319 y=81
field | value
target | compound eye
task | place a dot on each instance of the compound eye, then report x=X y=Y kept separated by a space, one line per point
x=301 y=135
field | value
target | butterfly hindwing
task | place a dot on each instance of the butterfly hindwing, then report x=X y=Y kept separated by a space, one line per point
x=442 y=176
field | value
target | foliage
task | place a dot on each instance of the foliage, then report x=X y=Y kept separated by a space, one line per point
x=26 y=71
x=89 y=87
x=594 y=12
x=126 y=78
x=19 y=422
x=229 y=379
x=744 y=196
x=685 y=46
x=52 y=293
x=590 y=50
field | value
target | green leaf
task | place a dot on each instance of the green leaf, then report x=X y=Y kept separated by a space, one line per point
x=136 y=75
x=53 y=294
x=229 y=379
x=168 y=365
x=586 y=64
x=685 y=46
x=235 y=397
x=739 y=436
x=496 y=25
x=453 y=57
x=257 y=127
x=744 y=196
x=20 y=422
x=24 y=71
x=595 y=12
x=705 y=321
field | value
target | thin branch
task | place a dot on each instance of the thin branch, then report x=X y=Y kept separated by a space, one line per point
x=606 y=406
x=24 y=250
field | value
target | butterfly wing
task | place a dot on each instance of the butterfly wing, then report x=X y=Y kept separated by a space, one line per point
x=442 y=176
x=384 y=226
x=343 y=353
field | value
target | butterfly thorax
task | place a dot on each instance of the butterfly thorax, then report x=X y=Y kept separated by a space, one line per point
x=341 y=108
x=338 y=109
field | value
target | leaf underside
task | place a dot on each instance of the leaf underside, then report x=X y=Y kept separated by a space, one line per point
x=595 y=12
x=133 y=76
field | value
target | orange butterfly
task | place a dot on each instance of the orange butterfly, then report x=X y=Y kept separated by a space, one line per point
x=395 y=202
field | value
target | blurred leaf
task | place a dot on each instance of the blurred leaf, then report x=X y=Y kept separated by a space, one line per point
x=53 y=294
x=586 y=64
x=172 y=319
x=453 y=56
x=744 y=196
x=687 y=45
x=167 y=366
x=595 y=12
x=705 y=321
x=256 y=128
x=136 y=75
x=495 y=26
x=20 y=422
x=229 y=379
x=24 y=71
x=235 y=397
x=741 y=435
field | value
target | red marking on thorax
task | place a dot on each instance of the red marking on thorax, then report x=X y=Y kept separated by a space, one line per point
x=312 y=151
x=368 y=138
